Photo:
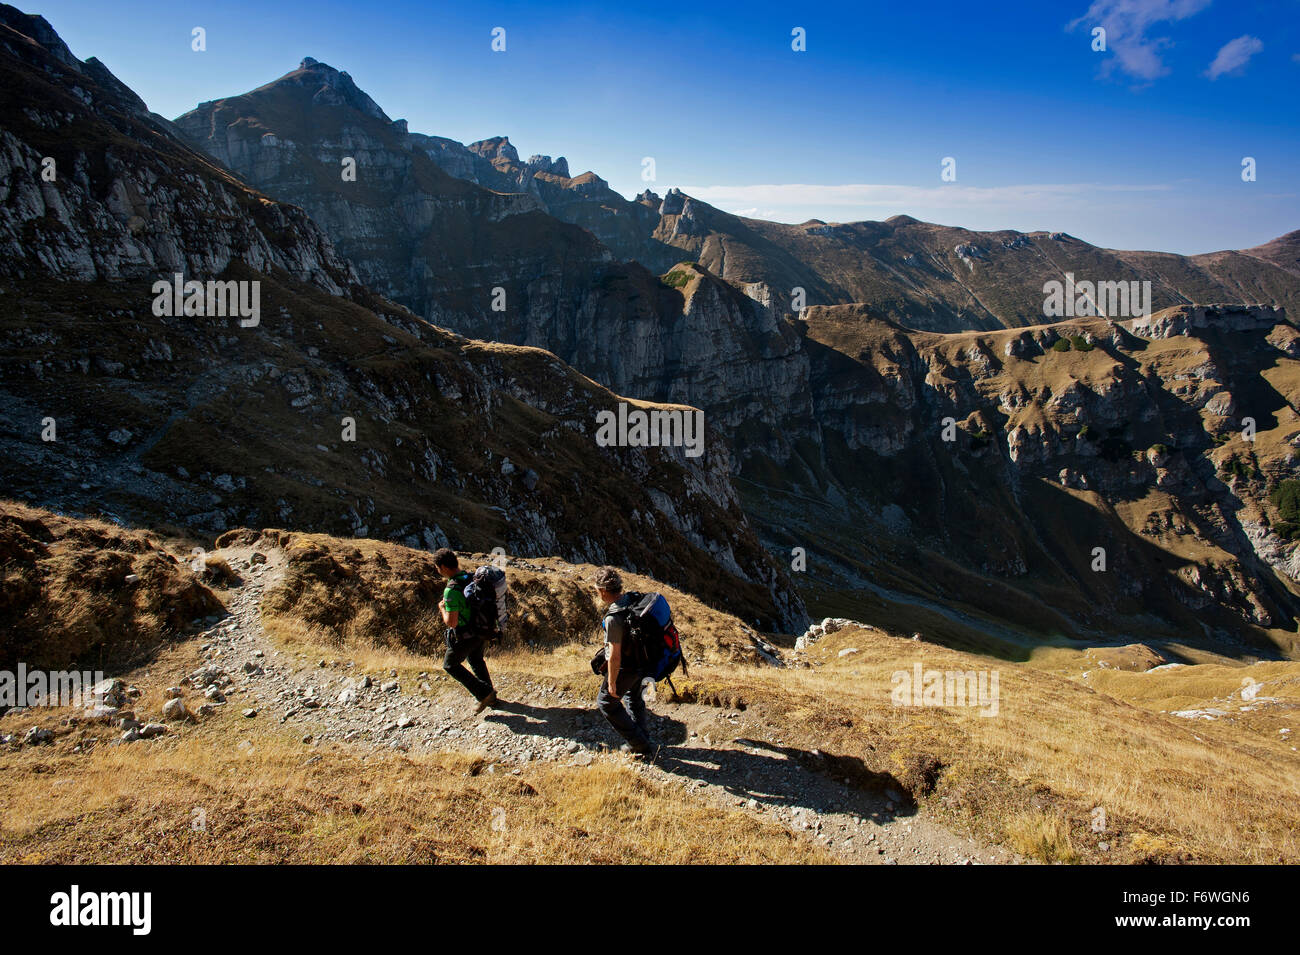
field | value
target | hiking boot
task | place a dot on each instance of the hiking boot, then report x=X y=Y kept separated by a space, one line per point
x=488 y=701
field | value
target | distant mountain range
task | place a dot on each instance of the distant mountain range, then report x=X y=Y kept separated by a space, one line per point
x=289 y=136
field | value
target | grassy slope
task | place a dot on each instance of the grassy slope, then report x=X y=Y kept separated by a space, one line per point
x=1030 y=777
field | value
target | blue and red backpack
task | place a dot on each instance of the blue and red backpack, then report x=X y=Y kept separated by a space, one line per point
x=655 y=641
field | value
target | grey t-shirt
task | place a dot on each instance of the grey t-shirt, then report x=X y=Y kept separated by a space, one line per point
x=616 y=627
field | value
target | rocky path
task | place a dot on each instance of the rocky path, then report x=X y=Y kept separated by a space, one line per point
x=728 y=758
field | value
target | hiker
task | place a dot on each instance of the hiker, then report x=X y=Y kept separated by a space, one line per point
x=621 y=700
x=463 y=642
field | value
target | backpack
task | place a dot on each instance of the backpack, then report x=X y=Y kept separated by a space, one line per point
x=655 y=642
x=485 y=593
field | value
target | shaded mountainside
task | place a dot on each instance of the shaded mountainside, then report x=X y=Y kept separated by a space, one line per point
x=442 y=245
x=337 y=411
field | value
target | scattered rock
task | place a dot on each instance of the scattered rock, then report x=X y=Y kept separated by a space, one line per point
x=37 y=736
x=108 y=693
x=175 y=709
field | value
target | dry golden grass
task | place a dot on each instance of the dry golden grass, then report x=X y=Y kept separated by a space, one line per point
x=228 y=793
x=1029 y=777
x=1043 y=836
x=374 y=597
x=1171 y=789
x=1213 y=792
x=66 y=596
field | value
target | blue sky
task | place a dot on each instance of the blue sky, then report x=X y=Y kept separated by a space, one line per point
x=1140 y=146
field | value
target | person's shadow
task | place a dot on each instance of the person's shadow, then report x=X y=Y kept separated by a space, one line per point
x=583 y=724
x=772 y=775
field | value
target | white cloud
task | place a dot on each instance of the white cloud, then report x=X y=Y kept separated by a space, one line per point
x=1234 y=55
x=1128 y=24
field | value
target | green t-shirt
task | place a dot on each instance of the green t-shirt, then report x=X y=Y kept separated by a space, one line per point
x=455 y=599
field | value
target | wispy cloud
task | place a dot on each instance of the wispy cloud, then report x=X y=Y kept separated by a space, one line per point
x=1129 y=25
x=1234 y=55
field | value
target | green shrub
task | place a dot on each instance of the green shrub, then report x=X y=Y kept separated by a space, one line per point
x=1286 y=498
x=1234 y=465
x=1080 y=343
x=1061 y=344
x=677 y=278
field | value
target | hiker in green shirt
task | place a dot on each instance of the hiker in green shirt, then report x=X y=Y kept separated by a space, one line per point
x=462 y=644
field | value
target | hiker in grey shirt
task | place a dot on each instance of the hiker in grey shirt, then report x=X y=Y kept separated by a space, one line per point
x=621 y=700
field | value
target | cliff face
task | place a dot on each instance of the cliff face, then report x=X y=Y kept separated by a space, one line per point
x=337 y=411
x=93 y=187
x=1018 y=452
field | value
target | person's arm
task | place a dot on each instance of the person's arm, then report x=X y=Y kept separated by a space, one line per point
x=617 y=632
x=450 y=618
x=611 y=672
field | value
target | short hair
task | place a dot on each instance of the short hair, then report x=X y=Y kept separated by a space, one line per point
x=446 y=557
x=607 y=578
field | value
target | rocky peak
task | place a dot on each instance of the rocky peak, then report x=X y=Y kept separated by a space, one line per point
x=131 y=199
x=673 y=202
x=498 y=147
x=38 y=29
x=544 y=164
x=334 y=87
